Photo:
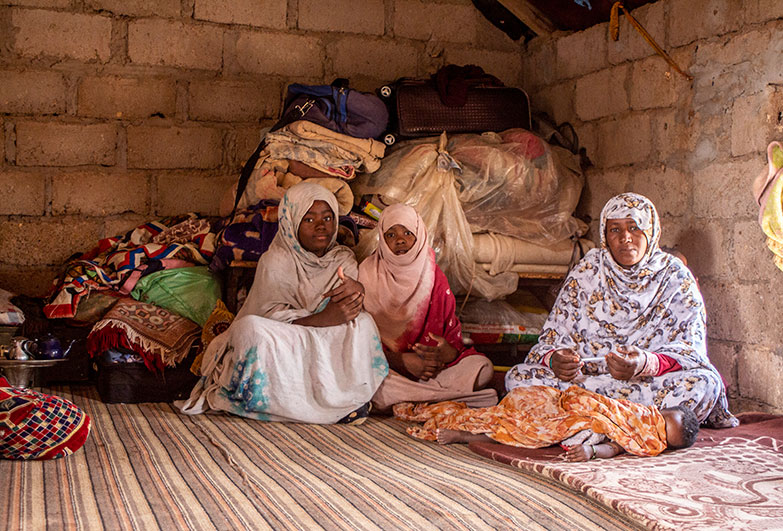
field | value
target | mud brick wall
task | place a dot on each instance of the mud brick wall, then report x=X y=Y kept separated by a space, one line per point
x=116 y=112
x=693 y=147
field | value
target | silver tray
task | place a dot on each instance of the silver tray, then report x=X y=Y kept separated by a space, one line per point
x=20 y=373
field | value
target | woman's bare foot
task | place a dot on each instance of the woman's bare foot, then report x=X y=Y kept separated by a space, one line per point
x=456 y=436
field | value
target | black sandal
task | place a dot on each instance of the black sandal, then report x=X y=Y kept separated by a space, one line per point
x=358 y=416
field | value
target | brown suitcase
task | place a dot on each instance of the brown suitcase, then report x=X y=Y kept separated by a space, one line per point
x=416 y=110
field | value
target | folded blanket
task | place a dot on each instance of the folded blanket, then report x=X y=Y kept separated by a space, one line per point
x=108 y=264
x=368 y=149
x=160 y=337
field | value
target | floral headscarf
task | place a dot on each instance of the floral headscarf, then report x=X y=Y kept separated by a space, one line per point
x=654 y=305
x=290 y=280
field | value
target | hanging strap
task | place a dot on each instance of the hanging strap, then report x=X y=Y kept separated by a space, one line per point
x=614 y=33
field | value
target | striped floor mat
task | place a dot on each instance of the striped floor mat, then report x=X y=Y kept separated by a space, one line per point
x=147 y=467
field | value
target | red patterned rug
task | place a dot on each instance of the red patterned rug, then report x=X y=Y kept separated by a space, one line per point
x=730 y=479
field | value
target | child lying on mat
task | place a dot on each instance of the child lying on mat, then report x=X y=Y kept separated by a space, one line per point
x=539 y=416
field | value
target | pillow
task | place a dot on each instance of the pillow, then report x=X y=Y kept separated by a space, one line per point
x=35 y=425
x=10 y=314
x=217 y=323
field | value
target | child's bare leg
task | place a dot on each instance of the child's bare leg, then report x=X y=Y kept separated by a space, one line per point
x=456 y=436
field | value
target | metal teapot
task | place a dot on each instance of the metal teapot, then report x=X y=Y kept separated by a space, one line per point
x=49 y=347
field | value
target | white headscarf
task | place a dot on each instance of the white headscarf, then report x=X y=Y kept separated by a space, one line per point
x=290 y=280
x=654 y=304
x=398 y=287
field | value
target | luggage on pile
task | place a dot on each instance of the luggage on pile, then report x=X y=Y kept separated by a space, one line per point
x=455 y=100
x=335 y=107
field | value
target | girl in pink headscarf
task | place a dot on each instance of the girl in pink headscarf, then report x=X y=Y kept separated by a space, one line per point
x=409 y=297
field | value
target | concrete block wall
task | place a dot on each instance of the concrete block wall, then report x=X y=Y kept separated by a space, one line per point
x=693 y=147
x=114 y=112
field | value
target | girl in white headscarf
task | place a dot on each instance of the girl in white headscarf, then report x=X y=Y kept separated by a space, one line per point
x=629 y=322
x=301 y=349
x=409 y=297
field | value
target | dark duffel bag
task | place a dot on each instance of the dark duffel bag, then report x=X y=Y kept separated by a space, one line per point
x=416 y=110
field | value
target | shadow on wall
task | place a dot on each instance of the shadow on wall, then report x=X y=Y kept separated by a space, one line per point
x=701 y=250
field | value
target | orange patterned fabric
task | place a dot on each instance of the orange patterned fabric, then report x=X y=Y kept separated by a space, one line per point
x=538 y=416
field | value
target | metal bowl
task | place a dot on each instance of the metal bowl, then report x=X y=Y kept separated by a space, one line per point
x=21 y=373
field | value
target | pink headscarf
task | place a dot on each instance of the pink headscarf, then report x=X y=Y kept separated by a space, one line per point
x=398 y=287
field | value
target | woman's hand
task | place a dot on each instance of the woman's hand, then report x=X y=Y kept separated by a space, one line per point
x=443 y=351
x=421 y=367
x=345 y=304
x=346 y=285
x=625 y=363
x=566 y=364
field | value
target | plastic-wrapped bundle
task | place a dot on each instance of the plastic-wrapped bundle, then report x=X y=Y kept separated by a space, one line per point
x=423 y=176
x=516 y=184
x=511 y=183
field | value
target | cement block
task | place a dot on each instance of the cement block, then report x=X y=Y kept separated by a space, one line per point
x=178 y=195
x=724 y=356
x=758 y=319
x=427 y=20
x=505 y=66
x=488 y=36
x=59 y=4
x=722 y=190
x=23 y=193
x=61 y=35
x=246 y=140
x=373 y=58
x=539 y=64
x=94 y=193
x=760 y=373
x=756 y=119
x=668 y=189
x=31 y=281
x=556 y=100
x=582 y=52
x=280 y=54
x=751 y=258
x=764 y=10
x=168 y=43
x=600 y=186
x=707 y=246
x=344 y=16
x=631 y=45
x=31 y=92
x=601 y=93
x=59 y=144
x=692 y=20
x=234 y=101
x=626 y=140
x=174 y=147
x=266 y=14
x=733 y=49
x=126 y=98
x=721 y=307
x=655 y=84
x=137 y=8
x=120 y=224
x=672 y=134
x=43 y=242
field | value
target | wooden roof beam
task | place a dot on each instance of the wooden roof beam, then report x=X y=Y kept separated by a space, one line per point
x=530 y=16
